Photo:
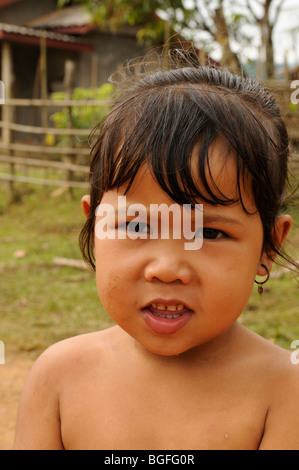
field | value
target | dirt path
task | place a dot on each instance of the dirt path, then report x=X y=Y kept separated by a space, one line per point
x=12 y=377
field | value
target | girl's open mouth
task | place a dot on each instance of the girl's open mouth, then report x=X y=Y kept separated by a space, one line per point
x=166 y=317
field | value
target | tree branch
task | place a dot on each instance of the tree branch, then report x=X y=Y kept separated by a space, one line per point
x=278 y=11
x=203 y=24
x=257 y=19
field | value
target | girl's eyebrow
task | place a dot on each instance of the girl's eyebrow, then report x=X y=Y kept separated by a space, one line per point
x=125 y=209
x=206 y=217
x=220 y=218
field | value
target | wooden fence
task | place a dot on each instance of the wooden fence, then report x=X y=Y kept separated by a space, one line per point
x=29 y=149
x=69 y=163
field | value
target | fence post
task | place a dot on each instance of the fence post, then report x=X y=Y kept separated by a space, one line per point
x=69 y=70
x=7 y=76
x=44 y=78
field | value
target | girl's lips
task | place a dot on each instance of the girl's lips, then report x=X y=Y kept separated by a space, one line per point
x=169 y=303
x=166 y=317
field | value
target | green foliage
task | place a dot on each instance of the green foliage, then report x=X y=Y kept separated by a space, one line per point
x=65 y=3
x=293 y=108
x=131 y=12
x=147 y=35
x=82 y=117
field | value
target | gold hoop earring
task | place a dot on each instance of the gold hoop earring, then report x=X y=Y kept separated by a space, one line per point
x=260 y=288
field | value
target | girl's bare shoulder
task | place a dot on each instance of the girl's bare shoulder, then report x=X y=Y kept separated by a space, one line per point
x=270 y=358
x=280 y=371
x=59 y=368
x=71 y=356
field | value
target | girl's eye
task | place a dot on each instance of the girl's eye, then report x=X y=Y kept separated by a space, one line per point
x=212 y=234
x=137 y=227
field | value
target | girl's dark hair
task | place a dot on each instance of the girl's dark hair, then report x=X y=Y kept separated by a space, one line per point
x=162 y=117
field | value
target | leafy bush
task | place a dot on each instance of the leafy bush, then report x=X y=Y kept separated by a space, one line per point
x=294 y=108
x=82 y=117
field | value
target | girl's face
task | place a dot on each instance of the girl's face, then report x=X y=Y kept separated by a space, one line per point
x=170 y=299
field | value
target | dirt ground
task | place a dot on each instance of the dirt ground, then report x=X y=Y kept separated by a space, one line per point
x=12 y=376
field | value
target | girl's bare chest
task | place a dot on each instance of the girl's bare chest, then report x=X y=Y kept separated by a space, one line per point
x=143 y=416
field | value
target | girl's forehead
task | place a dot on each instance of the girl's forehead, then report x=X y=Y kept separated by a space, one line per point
x=220 y=172
x=220 y=168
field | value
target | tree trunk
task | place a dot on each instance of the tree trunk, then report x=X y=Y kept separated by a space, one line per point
x=270 y=67
x=229 y=58
x=267 y=43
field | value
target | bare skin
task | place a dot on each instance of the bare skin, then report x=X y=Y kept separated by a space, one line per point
x=209 y=384
x=110 y=393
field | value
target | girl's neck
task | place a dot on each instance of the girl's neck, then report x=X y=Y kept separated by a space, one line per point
x=216 y=351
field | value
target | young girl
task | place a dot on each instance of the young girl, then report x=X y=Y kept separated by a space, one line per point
x=177 y=371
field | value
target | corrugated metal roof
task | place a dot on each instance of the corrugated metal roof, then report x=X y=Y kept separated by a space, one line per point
x=25 y=31
x=64 y=18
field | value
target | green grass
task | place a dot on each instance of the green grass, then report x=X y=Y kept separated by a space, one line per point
x=275 y=315
x=41 y=303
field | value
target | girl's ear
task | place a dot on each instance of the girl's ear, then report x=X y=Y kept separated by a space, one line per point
x=282 y=227
x=85 y=203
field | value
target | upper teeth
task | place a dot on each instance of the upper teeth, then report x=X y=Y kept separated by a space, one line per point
x=171 y=308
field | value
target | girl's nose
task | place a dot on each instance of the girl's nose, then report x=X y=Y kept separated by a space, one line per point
x=168 y=268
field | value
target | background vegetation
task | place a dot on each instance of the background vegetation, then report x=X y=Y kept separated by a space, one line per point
x=233 y=27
